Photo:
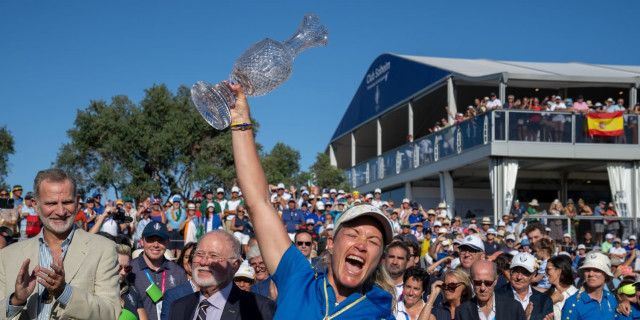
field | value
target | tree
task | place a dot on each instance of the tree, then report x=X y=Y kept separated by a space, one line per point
x=328 y=175
x=281 y=164
x=6 y=148
x=161 y=146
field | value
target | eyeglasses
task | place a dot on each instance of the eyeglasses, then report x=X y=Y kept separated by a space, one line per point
x=127 y=269
x=305 y=243
x=450 y=286
x=199 y=255
x=468 y=249
x=479 y=283
x=257 y=266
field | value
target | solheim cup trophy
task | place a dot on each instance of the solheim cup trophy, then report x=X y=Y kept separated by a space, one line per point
x=260 y=69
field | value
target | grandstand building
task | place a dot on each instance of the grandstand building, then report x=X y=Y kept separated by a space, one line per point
x=481 y=165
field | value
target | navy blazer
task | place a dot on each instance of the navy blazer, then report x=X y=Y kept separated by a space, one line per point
x=506 y=309
x=542 y=303
x=171 y=296
x=240 y=305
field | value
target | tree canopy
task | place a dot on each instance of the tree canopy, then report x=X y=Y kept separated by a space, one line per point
x=6 y=148
x=162 y=146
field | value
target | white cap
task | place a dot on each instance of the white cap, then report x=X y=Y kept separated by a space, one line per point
x=245 y=271
x=625 y=241
x=632 y=237
x=446 y=243
x=616 y=240
x=492 y=231
x=405 y=200
x=472 y=225
x=371 y=211
x=511 y=237
x=377 y=191
x=310 y=221
x=564 y=253
x=501 y=224
x=211 y=205
x=191 y=206
x=547 y=229
x=442 y=205
x=332 y=191
x=442 y=230
x=385 y=203
x=566 y=235
x=473 y=242
x=280 y=185
x=220 y=190
x=329 y=226
x=305 y=192
x=325 y=195
x=525 y=260
x=437 y=224
x=235 y=189
x=369 y=196
x=320 y=205
x=597 y=261
x=340 y=191
x=582 y=246
x=609 y=236
x=442 y=215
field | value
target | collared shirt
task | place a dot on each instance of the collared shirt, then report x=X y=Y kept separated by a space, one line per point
x=557 y=307
x=303 y=291
x=45 y=261
x=174 y=276
x=492 y=315
x=582 y=306
x=291 y=218
x=524 y=302
x=217 y=300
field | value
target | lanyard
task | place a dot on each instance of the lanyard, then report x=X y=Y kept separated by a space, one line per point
x=326 y=299
x=164 y=273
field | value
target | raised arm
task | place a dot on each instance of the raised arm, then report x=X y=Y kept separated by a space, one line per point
x=270 y=233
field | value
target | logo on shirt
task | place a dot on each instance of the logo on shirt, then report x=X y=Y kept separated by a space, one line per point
x=172 y=281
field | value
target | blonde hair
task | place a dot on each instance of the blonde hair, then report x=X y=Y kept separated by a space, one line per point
x=124 y=250
x=382 y=279
x=461 y=276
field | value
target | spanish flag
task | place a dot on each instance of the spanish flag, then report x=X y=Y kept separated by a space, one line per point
x=605 y=124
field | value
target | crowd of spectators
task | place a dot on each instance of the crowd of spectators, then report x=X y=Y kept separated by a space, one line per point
x=540 y=126
x=429 y=261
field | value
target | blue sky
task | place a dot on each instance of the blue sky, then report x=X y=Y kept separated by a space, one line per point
x=55 y=57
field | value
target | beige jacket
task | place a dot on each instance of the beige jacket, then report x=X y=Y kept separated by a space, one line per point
x=91 y=269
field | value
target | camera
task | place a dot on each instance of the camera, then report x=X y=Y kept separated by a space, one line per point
x=6 y=203
x=120 y=216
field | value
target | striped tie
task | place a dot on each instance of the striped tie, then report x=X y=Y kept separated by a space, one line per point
x=202 y=309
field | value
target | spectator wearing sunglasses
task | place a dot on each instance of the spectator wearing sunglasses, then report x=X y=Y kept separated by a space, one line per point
x=485 y=305
x=523 y=268
x=455 y=289
x=304 y=242
x=129 y=296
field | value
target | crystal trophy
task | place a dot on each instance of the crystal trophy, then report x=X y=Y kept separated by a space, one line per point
x=260 y=69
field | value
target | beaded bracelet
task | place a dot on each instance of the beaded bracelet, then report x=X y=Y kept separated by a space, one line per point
x=241 y=126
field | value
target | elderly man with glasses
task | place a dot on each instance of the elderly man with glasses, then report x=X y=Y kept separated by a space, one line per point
x=485 y=305
x=535 y=304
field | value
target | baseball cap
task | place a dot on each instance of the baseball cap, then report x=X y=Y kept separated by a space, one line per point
x=332 y=191
x=320 y=205
x=369 y=196
x=501 y=223
x=442 y=230
x=377 y=191
x=566 y=235
x=310 y=221
x=211 y=205
x=235 y=189
x=119 y=201
x=609 y=236
x=525 y=242
x=156 y=228
x=245 y=271
x=492 y=231
x=128 y=199
x=280 y=185
x=598 y=261
x=405 y=200
x=191 y=206
x=291 y=200
x=472 y=242
x=525 y=260
x=632 y=237
x=329 y=226
x=340 y=191
x=176 y=199
x=511 y=237
x=437 y=224
x=431 y=212
x=220 y=190
x=17 y=187
x=371 y=211
x=582 y=246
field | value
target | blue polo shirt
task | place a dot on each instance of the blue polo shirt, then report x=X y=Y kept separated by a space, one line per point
x=634 y=314
x=301 y=293
x=581 y=306
x=291 y=218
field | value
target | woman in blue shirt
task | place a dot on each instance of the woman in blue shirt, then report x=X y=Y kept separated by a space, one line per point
x=354 y=286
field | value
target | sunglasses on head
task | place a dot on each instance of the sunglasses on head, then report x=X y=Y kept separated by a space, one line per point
x=301 y=243
x=478 y=283
x=450 y=286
